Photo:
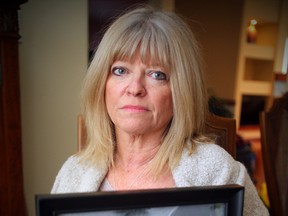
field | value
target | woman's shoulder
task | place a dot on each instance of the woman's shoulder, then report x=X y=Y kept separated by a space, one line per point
x=72 y=163
x=77 y=176
x=207 y=164
x=206 y=155
x=69 y=175
x=209 y=152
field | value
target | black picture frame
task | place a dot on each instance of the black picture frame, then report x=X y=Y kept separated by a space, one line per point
x=231 y=198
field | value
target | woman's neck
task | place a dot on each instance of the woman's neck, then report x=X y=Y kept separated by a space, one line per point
x=135 y=153
x=133 y=163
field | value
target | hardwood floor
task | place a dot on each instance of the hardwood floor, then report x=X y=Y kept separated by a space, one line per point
x=252 y=135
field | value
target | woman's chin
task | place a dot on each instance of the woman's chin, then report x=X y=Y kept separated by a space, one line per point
x=134 y=130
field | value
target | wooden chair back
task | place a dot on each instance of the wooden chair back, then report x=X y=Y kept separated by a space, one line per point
x=274 y=141
x=222 y=128
x=224 y=131
x=81 y=133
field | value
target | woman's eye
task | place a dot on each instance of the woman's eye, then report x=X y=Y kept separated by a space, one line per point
x=158 y=75
x=118 y=71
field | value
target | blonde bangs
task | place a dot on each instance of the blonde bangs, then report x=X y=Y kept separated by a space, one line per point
x=145 y=42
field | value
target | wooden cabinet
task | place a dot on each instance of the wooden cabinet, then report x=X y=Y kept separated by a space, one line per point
x=11 y=178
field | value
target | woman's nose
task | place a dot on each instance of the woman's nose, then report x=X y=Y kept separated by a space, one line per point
x=136 y=86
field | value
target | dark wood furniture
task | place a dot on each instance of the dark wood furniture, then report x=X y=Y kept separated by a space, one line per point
x=11 y=177
x=221 y=128
x=274 y=141
x=81 y=132
x=224 y=131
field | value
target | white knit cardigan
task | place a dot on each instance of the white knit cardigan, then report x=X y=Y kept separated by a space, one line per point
x=208 y=165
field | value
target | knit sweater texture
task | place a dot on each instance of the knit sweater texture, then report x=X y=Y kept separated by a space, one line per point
x=209 y=164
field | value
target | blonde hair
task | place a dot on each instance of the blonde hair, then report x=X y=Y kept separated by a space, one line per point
x=165 y=39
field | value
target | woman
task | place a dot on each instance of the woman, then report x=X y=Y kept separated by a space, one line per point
x=144 y=103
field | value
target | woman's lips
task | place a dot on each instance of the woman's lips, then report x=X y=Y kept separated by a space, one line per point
x=134 y=108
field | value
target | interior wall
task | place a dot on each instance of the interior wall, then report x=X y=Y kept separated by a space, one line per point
x=53 y=60
x=217 y=26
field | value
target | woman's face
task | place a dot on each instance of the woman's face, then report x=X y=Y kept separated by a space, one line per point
x=138 y=98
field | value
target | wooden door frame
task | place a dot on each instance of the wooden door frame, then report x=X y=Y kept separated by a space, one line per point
x=11 y=175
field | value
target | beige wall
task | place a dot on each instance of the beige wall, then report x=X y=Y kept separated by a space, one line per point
x=53 y=60
x=217 y=26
